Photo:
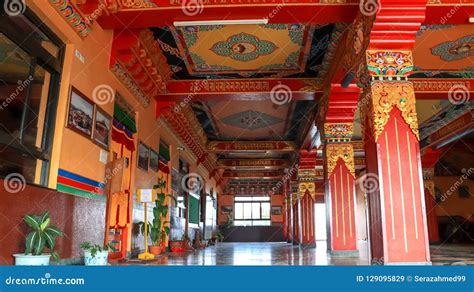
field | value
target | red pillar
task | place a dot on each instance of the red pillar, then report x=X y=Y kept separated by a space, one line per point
x=307 y=194
x=296 y=225
x=340 y=198
x=394 y=185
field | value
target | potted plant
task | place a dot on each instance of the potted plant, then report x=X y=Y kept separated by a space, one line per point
x=177 y=245
x=158 y=229
x=219 y=236
x=95 y=254
x=43 y=236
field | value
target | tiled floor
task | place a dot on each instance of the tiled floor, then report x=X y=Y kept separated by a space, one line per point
x=286 y=254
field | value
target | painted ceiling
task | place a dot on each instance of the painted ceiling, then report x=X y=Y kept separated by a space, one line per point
x=252 y=120
x=445 y=48
x=239 y=51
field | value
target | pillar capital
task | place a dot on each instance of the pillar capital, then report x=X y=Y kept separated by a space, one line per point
x=338 y=132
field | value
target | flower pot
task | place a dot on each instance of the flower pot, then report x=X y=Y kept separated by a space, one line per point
x=22 y=259
x=176 y=246
x=100 y=259
x=155 y=249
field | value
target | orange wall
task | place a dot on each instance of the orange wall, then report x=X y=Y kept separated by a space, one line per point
x=227 y=200
x=79 y=154
x=452 y=204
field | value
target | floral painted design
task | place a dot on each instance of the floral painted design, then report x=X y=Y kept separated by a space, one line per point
x=243 y=47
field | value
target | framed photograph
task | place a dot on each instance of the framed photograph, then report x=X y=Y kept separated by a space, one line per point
x=276 y=210
x=143 y=156
x=154 y=160
x=175 y=179
x=102 y=128
x=227 y=209
x=80 y=113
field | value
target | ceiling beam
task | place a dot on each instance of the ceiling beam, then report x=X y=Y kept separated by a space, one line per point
x=440 y=88
x=164 y=12
x=252 y=163
x=253 y=174
x=251 y=146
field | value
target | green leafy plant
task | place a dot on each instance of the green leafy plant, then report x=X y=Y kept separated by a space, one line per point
x=43 y=235
x=159 y=228
x=219 y=236
x=95 y=248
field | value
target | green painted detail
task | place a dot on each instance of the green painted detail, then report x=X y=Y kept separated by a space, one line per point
x=243 y=47
x=124 y=118
x=77 y=192
x=193 y=207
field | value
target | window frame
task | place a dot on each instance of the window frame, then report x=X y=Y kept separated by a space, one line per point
x=250 y=205
x=53 y=65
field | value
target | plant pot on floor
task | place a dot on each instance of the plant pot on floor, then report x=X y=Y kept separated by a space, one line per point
x=100 y=258
x=176 y=246
x=155 y=249
x=22 y=259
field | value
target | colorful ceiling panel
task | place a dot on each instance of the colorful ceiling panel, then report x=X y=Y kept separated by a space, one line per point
x=238 y=51
x=444 y=48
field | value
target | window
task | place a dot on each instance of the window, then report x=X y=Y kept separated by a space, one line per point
x=252 y=211
x=29 y=79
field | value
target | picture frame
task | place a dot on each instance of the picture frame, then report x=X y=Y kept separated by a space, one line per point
x=102 y=128
x=154 y=160
x=276 y=210
x=80 y=113
x=143 y=156
x=175 y=179
x=227 y=209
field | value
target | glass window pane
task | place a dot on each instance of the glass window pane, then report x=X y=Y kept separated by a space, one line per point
x=242 y=198
x=36 y=110
x=242 y=223
x=14 y=72
x=261 y=223
x=265 y=210
x=247 y=210
x=255 y=210
x=239 y=211
x=265 y=198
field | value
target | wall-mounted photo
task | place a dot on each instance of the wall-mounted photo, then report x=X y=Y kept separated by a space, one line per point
x=143 y=156
x=276 y=210
x=175 y=179
x=227 y=209
x=80 y=113
x=102 y=128
x=154 y=160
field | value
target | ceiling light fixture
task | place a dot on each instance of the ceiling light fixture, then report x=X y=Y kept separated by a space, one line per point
x=220 y=22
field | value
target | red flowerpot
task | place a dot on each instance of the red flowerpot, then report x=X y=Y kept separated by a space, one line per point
x=176 y=246
x=155 y=249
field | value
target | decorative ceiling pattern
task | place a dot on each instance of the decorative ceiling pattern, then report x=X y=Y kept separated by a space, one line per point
x=251 y=120
x=239 y=51
x=444 y=48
